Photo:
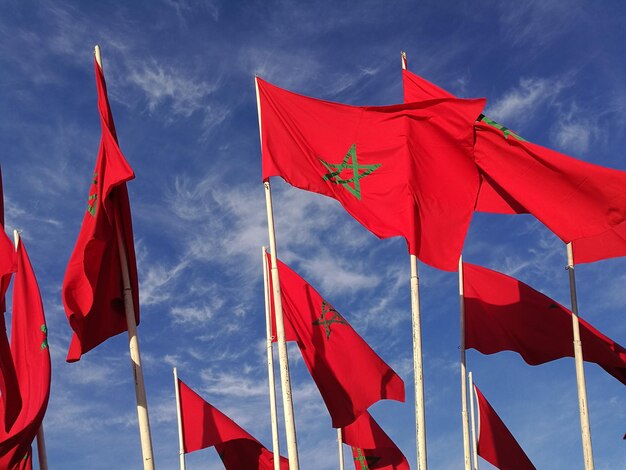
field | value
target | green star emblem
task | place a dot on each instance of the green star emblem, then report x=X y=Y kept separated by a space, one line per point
x=44 y=330
x=349 y=162
x=324 y=321
x=363 y=461
x=507 y=132
x=92 y=199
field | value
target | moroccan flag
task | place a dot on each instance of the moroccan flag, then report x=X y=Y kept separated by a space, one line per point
x=496 y=444
x=92 y=288
x=10 y=399
x=206 y=426
x=31 y=356
x=371 y=447
x=504 y=314
x=349 y=374
x=403 y=170
x=580 y=202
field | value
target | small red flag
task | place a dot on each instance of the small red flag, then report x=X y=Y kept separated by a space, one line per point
x=403 y=170
x=92 y=288
x=29 y=346
x=10 y=399
x=496 y=444
x=206 y=426
x=349 y=374
x=504 y=314
x=371 y=446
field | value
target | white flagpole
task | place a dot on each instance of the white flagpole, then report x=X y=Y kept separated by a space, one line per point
x=283 y=359
x=340 y=443
x=474 y=447
x=466 y=440
x=135 y=355
x=580 y=371
x=179 y=416
x=270 y=364
x=418 y=370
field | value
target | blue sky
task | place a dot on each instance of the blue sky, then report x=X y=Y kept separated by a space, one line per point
x=180 y=80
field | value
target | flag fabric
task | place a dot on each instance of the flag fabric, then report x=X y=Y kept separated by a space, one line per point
x=580 y=202
x=29 y=346
x=403 y=170
x=92 y=288
x=10 y=399
x=348 y=373
x=206 y=426
x=496 y=444
x=371 y=446
x=504 y=314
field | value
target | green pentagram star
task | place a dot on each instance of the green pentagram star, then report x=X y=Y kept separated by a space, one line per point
x=505 y=130
x=349 y=162
x=364 y=461
x=325 y=321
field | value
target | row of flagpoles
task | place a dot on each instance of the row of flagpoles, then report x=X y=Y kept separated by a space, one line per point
x=101 y=279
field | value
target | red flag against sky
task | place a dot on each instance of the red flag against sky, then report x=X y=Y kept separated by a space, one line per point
x=402 y=170
x=206 y=426
x=496 y=444
x=349 y=374
x=371 y=447
x=92 y=288
x=10 y=399
x=580 y=202
x=29 y=345
x=504 y=314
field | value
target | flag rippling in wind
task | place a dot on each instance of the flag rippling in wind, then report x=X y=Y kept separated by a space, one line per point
x=206 y=426
x=31 y=356
x=403 y=170
x=349 y=374
x=92 y=287
x=504 y=314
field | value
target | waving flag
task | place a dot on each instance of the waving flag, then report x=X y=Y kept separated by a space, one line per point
x=349 y=374
x=92 y=288
x=10 y=399
x=403 y=170
x=580 y=202
x=29 y=346
x=504 y=314
x=206 y=426
x=371 y=447
x=496 y=444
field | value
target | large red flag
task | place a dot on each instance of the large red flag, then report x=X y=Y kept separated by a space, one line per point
x=92 y=288
x=349 y=374
x=206 y=426
x=10 y=399
x=496 y=444
x=504 y=314
x=580 y=202
x=403 y=170
x=29 y=346
x=371 y=446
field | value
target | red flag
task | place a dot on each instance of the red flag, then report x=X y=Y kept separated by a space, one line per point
x=580 y=202
x=29 y=346
x=10 y=399
x=496 y=444
x=401 y=170
x=349 y=374
x=371 y=447
x=504 y=314
x=206 y=426
x=92 y=288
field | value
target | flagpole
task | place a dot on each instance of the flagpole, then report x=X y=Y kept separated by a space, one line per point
x=270 y=364
x=179 y=417
x=340 y=443
x=283 y=359
x=418 y=370
x=580 y=371
x=41 y=449
x=473 y=419
x=133 y=341
x=466 y=440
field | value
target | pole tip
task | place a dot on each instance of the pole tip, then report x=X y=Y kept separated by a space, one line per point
x=16 y=237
